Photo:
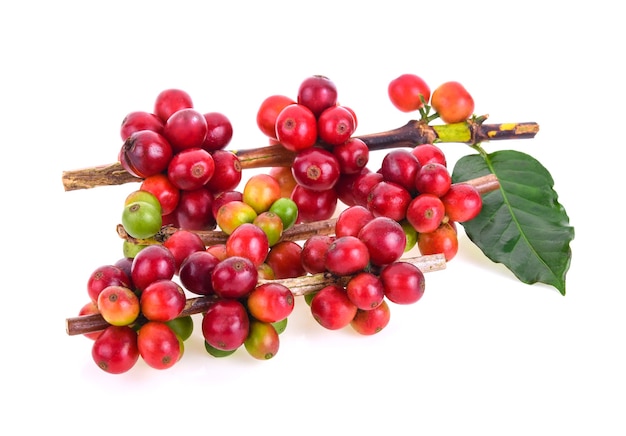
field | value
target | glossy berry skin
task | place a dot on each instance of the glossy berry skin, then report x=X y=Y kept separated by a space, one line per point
x=407 y=91
x=313 y=255
x=403 y=282
x=425 y=213
x=141 y=220
x=195 y=210
x=433 y=178
x=452 y=102
x=163 y=300
x=317 y=93
x=140 y=120
x=462 y=202
x=284 y=259
x=285 y=179
x=296 y=127
x=270 y=302
x=427 y=153
x=219 y=131
x=182 y=326
x=234 y=277
x=158 y=345
x=118 y=305
x=347 y=255
x=370 y=322
x=363 y=185
x=314 y=205
x=365 y=290
x=287 y=210
x=154 y=262
x=385 y=240
x=169 y=101
x=234 y=213
x=389 y=200
x=104 y=276
x=227 y=173
x=191 y=169
x=351 y=220
x=249 y=241
x=400 y=167
x=225 y=197
x=352 y=155
x=316 y=169
x=443 y=240
x=115 y=350
x=268 y=112
x=145 y=153
x=332 y=308
x=262 y=342
x=164 y=190
x=335 y=125
x=225 y=325
x=184 y=129
x=271 y=224
x=260 y=192
x=195 y=272
x=183 y=243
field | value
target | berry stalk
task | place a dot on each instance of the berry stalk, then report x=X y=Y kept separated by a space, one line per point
x=299 y=286
x=410 y=135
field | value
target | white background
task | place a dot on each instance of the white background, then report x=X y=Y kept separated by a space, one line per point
x=481 y=353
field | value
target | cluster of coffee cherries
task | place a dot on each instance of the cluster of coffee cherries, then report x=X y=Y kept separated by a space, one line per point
x=189 y=183
x=179 y=153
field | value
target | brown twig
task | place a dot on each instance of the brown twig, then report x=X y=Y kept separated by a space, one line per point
x=300 y=286
x=411 y=134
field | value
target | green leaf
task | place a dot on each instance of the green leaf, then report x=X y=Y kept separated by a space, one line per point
x=521 y=225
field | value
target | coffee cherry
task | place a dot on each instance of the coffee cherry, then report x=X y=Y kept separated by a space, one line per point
x=140 y=120
x=169 y=101
x=400 y=167
x=219 y=131
x=332 y=308
x=316 y=169
x=234 y=213
x=314 y=205
x=145 y=153
x=118 y=305
x=317 y=93
x=227 y=174
x=425 y=213
x=185 y=129
x=158 y=345
x=195 y=272
x=262 y=341
x=226 y=324
x=443 y=240
x=369 y=322
x=271 y=224
x=408 y=92
x=141 y=220
x=433 y=178
x=296 y=127
x=287 y=210
x=260 y=192
x=270 y=302
x=268 y=112
x=365 y=290
x=183 y=243
x=347 y=255
x=164 y=190
x=115 y=350
x=234 y=277
x=249 y=241
x=104 y=276
x=462 y=202
x=335 y=125
x=385 y=240
x=284 y=259
x=352 y=156
x=429 y=153
x=403 y=282
x=351 y=220
x=313 y=255
x=194 y=210
x=154 y=262
x=191 y=169
x=389 y=199
x=162 y=300
x=90 y=308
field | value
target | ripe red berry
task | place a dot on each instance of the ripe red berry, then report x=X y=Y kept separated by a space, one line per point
x=169 y=101
x=408 y=92
x=145 y=153
x=425 y=213
x=316 y=169
x=219 y=131
x=186 y=128
x=347 y=255
x=335 y=125
x=462 y=202
x=403 y=282
x=296 y=127
x=332 y=308
x=385 y=240
x=318 y=93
